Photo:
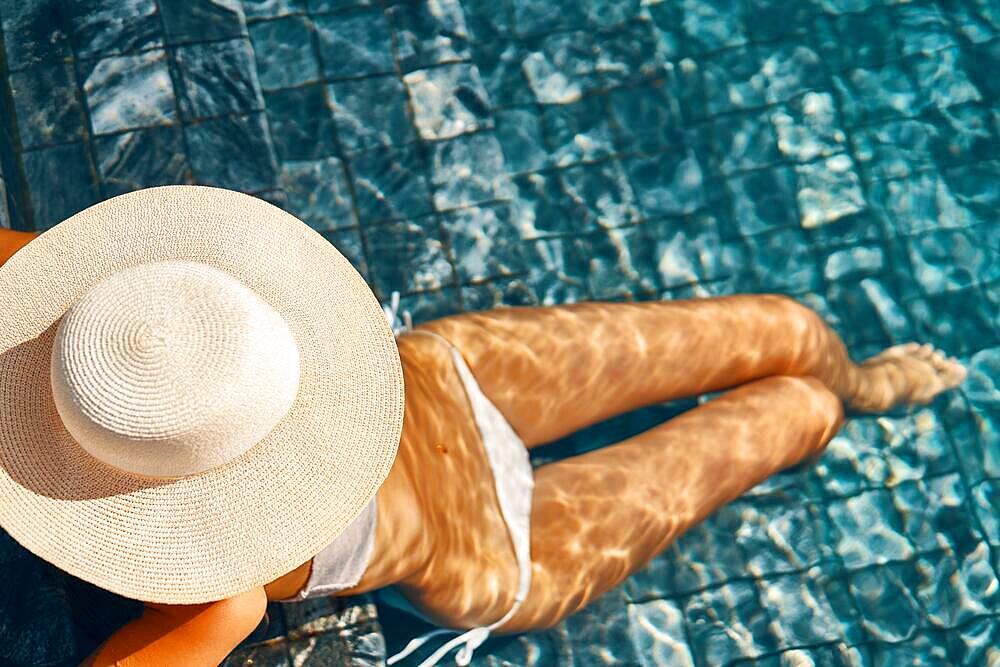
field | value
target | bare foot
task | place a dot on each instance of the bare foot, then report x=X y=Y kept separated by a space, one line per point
x=908 y=373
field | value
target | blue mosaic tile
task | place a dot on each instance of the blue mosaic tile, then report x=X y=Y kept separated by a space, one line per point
x=862 y=39
x=46 y=105
x=744 y=141
x=890 y=611
x=956 y=590
x=406 y=256
x=283 y=50
x=301 y=123
x=519 y=132
x=708 y=26
x=806 y=615
x=976 y=20
x=128 y=92
x=828 y=190
x=669 y=183
x=777 y=536
x=232 y=152
x=949 y=260
x=561 y=67
x=256 y=9
x=370 y=112
x=202 y=20
x=448 y=101
x=707 y=554
x=354 y=43
x=542 y=207
x=579 y=131
x=941 y=78
x=744 y=632
x=767 y=20
x=959 y=335
x=620 y=264
x=34 y=32
x=429 y=33
x=666 y=19
x=498 y=292
x=467 y=170
x=734 y=80
x=217 y=79
x=102 y=28
x=602 y=191
x=141 y=159
x=348 y=242
x=607 y=642
x=871 y=532
x=922 y=26
x=318 y=193
x=60 y=182
x=556 y=270
x=537 y=17
x=646 y=119
x=917 y=204
x=634 y=53
x=484 y=242
x=389 y=183
x=656 y=629
x=924 y=648
x=871 y=94
x=975 y=643
x=763 y=200
x=499 y=66
x=792 y=69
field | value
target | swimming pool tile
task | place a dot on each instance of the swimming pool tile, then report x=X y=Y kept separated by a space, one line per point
x=734 y=79
x=890 y=610
x=646 y=118
x=301 y=123
x=283 y=52
x=828 y=190
x=707 y=555
x=35 y=32
x=602 y=191
x=542 y=206
x=656 y=629
x=128 y=92
x=556 y=270
x=634 y=53
x=856 y=39
x=561 y=67
x=498 y=292
x=102 y=28
x=318 y=6
x=941 y=78
x=726 y=623
x=876 y=93
x=232 y=152
x=370 y=112
x=4 y=214
x=60 y=183
x=918 y=204
x=46 y=105
x=468 y=169
x=348 y=242
x=972 y=331
x=928 y=647
x=791 y=69
x=202 y=20
x=711 y=25
x=318 y=193
x=258 y=9
x=607 y=642
x=668 y=183
x=976 y=643
x=578 y=131
x=954 y=590
x=768 y=20
x=141 y=159
x=870 y=530
x=389 y=183
x=484 y=242
x=429 y=33
x=783 y=247
x=948 y=260
x=763 y=200
x=776 y=535
x=970 y=185
x=407 y=256
x=620 y=264
x=977 y=20
x=354 y=43
x=216 y=79
x=519 y=132
x=806 y=615
x=499 y=64
x=922 y=27
x=807 y=127
x=539 y=17
x=448 y=101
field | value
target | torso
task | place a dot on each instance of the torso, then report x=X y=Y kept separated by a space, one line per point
x=440 y=536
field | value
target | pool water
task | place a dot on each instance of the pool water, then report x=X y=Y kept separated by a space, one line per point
x=476 y=153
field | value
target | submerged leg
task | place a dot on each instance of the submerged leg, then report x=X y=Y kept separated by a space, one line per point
x=600 y=516
x=553 y=370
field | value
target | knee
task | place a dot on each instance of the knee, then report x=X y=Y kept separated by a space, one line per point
x=824 y=410
x=241 y=614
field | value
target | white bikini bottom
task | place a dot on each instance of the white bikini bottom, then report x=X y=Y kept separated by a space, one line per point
x=341 y=564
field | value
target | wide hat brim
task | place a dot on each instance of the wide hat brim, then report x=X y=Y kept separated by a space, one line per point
x=215 y=534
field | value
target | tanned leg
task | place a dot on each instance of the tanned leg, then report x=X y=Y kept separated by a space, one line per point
x=553 y=370
x=600 y=516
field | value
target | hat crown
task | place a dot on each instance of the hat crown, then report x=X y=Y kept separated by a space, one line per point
x=172 y=368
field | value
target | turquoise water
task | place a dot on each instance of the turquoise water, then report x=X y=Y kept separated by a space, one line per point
x=472 y=154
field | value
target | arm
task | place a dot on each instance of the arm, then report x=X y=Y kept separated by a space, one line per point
x=195 y=635
x=11 y=242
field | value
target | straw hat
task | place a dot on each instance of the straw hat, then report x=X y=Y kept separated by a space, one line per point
x=197 y=394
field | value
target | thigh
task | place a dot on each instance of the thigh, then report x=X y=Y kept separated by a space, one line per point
x=599 y=517
x=552 y=370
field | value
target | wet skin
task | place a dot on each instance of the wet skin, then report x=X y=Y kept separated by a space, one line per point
x=600 y=516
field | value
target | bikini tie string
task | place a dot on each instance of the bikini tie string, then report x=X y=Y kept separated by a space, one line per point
x=397 y=324
x=472 y=639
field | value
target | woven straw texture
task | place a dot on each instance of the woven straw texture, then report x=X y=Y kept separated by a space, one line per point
x=207 y=536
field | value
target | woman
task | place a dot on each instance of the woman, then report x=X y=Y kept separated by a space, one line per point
x=440 y=537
